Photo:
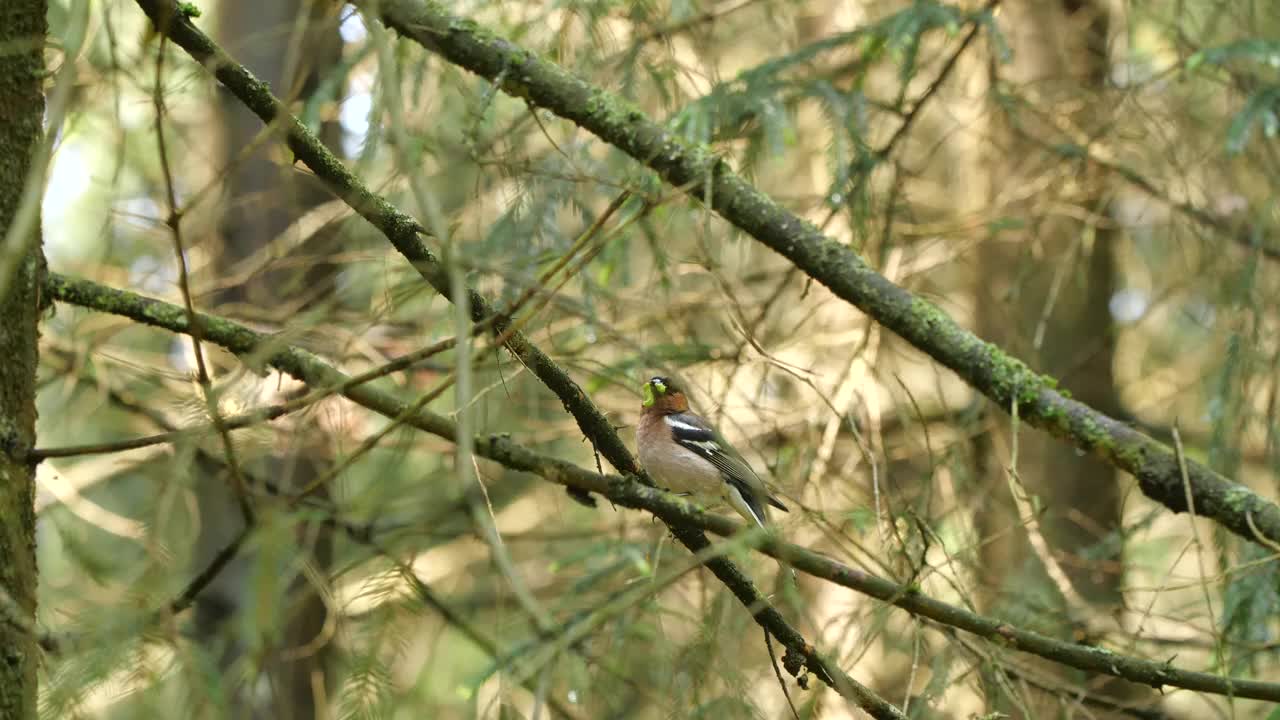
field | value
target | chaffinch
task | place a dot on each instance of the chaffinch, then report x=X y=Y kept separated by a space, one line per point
x=684 y=454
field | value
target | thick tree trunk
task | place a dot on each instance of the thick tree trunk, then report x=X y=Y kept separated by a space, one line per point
x=22 y=36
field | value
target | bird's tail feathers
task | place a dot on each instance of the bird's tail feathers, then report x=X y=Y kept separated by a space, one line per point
x=746 y=503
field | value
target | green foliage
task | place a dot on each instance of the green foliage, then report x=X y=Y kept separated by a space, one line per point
x=366 y=693
x=1261 y=110
x=1262 y=105
x=1256 y=50
x=1251 y=603
x=756 y=98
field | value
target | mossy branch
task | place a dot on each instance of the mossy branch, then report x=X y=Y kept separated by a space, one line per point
x=1003 y=378
x=257 y=348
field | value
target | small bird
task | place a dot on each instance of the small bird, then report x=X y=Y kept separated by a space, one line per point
x=684 y=454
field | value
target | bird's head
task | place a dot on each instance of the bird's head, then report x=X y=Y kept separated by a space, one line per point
x=663 y=395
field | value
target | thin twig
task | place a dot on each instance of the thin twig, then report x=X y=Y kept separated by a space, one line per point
x=174 y=221
x=1198 y=547
x=777 y=672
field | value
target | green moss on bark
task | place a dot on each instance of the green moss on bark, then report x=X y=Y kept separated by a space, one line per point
x=22 y=34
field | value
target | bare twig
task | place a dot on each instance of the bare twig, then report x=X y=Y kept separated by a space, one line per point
x=174 y=221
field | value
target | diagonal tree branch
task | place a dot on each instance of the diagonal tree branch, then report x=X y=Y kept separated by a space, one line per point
x=627 y=492
x=1004 y=379
x=405 y=234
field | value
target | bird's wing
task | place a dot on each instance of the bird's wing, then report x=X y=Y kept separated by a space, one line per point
x=696 y=435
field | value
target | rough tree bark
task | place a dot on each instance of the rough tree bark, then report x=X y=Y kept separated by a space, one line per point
x=22 y=34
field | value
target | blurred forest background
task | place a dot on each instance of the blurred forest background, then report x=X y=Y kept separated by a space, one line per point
x=1091 y=185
